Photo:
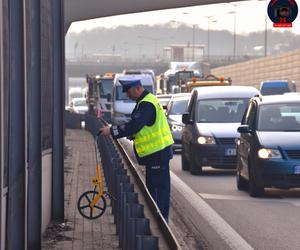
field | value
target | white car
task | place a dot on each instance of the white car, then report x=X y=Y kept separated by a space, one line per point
x=79 y=105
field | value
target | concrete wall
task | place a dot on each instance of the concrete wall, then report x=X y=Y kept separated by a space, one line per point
x=282 y=66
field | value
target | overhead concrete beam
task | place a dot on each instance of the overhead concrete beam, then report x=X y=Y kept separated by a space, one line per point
x=78 y=10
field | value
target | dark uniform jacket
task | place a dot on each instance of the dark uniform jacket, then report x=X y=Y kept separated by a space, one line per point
x=143 y=115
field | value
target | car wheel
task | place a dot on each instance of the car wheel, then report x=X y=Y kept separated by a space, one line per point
x=241 y=183
x=185 y=165
x=194 y=168
x=255 y=190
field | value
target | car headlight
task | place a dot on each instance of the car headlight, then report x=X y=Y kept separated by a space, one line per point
x=206 y=140
x=176 y=127
x=267 y=153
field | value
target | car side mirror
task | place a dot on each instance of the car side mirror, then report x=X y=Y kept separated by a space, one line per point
x=244 y=129
x=186 y=119
x=108 y=97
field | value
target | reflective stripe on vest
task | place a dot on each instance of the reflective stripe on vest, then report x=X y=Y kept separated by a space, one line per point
x=151 y=139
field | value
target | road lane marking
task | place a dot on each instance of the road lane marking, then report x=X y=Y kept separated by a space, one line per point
x=224 y=197
x=208 y=196
x=219 y=225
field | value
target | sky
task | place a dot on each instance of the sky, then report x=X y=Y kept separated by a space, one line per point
x=250 y=17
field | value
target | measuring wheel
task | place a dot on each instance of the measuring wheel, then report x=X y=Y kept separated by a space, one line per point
x=87 y=209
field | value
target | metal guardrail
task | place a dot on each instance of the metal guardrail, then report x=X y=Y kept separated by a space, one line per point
x=133 y=228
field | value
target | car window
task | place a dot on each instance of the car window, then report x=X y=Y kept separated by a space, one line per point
x=279 y=117
x=106 y=87
x=191 y=106
x=221 y=110
x=252 y=116
x=178 y=107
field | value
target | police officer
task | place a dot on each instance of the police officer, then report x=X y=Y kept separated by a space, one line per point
x=152 y=139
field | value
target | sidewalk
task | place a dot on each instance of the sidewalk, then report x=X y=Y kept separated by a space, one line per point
x=78 y=233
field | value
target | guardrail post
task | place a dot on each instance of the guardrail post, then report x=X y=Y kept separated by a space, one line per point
x=130 y=198
x=120 y=179
x=125 y=187
x=146 y=242
x=137 y=226
x=134 y=210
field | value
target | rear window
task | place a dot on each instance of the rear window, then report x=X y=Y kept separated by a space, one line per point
x=276 y=88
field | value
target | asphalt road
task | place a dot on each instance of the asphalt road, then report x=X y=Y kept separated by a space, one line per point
x=208 y=212
x=271 y=222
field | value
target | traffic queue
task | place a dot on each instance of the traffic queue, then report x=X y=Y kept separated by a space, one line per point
x=217 y=124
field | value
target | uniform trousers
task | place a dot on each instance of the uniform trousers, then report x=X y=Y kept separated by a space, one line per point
x=158 y=184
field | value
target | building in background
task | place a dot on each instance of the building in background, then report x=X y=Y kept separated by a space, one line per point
x=184 y=52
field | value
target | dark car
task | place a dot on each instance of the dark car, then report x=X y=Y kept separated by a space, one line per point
x=269 y=144
x=211 y=122
x=176 y=107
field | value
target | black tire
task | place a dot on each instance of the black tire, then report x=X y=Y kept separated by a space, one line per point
x=185 y=165
x=194 y=168
x=241 y=183
x=255 y=190
x=83 y=205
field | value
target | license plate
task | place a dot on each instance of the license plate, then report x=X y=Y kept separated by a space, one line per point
x=230 y=151
x=297 y=170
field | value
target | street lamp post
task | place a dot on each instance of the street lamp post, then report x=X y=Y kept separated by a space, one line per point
x=193 y=51
x=266 y=35
x=208 y=37
x=193 y=37
x=266 y=30
x=234 y=32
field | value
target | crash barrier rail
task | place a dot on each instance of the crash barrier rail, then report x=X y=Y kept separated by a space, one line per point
x=132 y=227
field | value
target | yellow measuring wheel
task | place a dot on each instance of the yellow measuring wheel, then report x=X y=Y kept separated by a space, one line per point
x=92 y=204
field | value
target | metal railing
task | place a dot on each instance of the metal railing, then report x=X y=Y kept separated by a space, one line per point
x=133 y=228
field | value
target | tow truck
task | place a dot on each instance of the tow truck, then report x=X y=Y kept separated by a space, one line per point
x=209 y=80
x=99 y=95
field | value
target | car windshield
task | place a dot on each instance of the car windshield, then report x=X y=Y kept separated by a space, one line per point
x=221 y=110
x=122 y=96
x=279 y=117
x=178 y=107
x=79 y=102
x=106 y=87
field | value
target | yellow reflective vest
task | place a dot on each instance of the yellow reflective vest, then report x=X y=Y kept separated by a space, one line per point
x=151 y=139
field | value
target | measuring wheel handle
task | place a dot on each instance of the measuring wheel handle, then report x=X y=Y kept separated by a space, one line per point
x=87 y=209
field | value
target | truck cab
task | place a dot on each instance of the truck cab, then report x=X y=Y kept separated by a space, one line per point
x=122 y=106
x=105 y=85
